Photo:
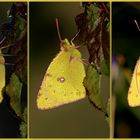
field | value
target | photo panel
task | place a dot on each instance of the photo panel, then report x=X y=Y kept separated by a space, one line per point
x=13 y=70
x=126 y=69
x=69 y=70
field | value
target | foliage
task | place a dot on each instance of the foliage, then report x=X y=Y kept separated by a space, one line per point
x=13 y=90
x=93 y=84
x=14 y=45
x=93 y=26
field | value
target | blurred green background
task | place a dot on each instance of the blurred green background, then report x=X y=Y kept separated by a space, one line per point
x=9 y=124
x=79 y=119
x=125 y=53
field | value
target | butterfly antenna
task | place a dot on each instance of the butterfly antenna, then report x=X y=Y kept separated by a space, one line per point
x=2 y=40
x=137 y=24
x=6 y=55
x=75 y=37
x=9 y=64
x=84 y=61
x=6 y=46
x=58 y=31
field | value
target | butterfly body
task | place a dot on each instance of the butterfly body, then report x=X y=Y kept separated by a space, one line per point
x=134 y=89
x=2 y=75
x=63 y=81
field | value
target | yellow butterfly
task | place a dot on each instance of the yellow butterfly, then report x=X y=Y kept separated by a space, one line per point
x=63 y=81
x=2 y=75
x=134 y=89
x=2 y=68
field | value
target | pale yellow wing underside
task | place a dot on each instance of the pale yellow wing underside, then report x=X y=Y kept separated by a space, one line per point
x=134 y=89
x=2 y=75
x=63 y=81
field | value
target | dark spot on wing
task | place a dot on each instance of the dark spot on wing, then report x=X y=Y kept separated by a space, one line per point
x=71 y=58
x=78 y=92
x=39 y=95
x=48 y=74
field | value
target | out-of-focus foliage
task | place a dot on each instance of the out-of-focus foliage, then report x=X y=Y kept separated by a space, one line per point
x=126 y=51
x=14 y=44
x=93 y=26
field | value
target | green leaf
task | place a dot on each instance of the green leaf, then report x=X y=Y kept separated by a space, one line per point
x=23 y=125
x=92 y=83
x=95 y=36
x=23 y=129
x=93 y=13
x=107 y=116
x=19 y=26
x=25 y=115
x=13 y=90
x=104 y=63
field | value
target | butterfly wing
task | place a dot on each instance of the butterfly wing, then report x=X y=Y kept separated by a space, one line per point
x=134 y=90
x=63 y=82
x=2 y=75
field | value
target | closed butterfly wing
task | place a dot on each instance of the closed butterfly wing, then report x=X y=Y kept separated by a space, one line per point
x=2 y=75
x=63 y=81
x=134 y=89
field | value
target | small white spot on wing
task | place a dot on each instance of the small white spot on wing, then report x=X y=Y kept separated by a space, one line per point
x=61 y=79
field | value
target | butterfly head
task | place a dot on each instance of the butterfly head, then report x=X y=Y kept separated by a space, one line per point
x=65 y=45
x=70 y=48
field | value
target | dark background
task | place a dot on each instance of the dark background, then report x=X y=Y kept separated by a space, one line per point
x=125 y=53
x=79 y=119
